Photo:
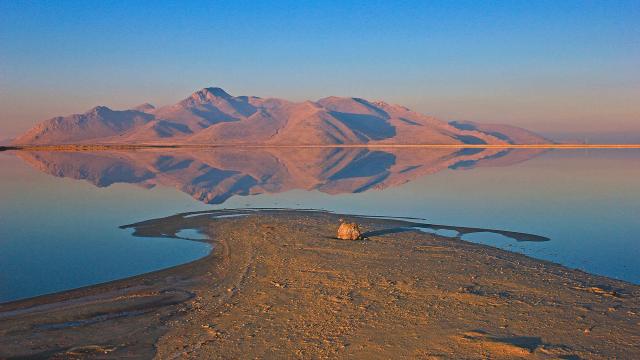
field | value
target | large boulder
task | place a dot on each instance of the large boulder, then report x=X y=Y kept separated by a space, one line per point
x=349 y=231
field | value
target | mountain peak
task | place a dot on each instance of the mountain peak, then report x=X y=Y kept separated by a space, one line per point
x=98 y=109
x=209 y=92
x=213 y=116
x=144 y=107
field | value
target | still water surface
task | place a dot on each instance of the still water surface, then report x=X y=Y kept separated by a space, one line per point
x=60 y=212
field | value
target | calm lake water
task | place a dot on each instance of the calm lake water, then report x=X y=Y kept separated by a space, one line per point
x=60 y=212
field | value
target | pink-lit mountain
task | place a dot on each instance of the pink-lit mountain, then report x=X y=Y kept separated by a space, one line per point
x=211 y=116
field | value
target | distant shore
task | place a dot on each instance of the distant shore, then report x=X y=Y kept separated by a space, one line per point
x=101 y=147
x=277 y=284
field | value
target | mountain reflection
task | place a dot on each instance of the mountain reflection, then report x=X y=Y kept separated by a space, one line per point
x=215 y=175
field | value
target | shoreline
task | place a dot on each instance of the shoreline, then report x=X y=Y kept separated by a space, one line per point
x=276 y=269
x=104 y=147
x=516 y=236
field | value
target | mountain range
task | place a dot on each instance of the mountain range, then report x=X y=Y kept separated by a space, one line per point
x=212 y=116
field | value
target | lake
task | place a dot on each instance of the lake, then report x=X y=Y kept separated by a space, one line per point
x=61 y=212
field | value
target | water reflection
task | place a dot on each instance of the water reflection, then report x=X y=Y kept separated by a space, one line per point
x=59 y=233
x=214 y=176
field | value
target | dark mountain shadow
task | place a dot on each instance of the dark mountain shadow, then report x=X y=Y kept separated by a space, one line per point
x=94 y=167
x=212 y=115
x=120 y=173
x=369 y=126
x=471 y=127
x=118 y=120
x=368 y=163
x=213 y=176
x=370 y=106
x=468 y=151
x=167 y=128
x=471 y=140
x=410 y=122
x=169 y=163
x=242 y=106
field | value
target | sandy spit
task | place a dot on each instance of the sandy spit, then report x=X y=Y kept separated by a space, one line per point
x=278 y=285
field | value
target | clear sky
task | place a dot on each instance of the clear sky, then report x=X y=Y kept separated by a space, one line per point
x=551 y=66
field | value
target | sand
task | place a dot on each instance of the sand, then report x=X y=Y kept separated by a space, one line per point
x=277 y=284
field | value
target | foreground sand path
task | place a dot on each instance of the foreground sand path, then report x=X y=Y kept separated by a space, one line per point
x=277 y=285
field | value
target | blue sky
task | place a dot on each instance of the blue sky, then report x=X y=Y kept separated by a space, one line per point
x=551 y=66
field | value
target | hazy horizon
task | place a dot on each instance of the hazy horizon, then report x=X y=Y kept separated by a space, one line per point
x=565 y=70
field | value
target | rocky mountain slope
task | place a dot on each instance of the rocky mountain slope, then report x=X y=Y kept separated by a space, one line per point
x=211 y=116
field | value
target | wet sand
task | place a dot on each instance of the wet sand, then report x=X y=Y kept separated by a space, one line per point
x=278 y=285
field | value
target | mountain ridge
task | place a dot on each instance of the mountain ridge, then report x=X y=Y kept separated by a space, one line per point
x=213 y=116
